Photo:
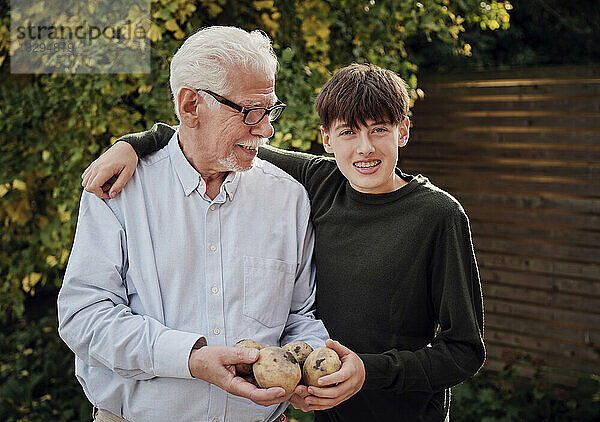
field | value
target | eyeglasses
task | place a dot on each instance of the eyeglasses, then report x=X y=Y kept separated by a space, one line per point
x=252 y=115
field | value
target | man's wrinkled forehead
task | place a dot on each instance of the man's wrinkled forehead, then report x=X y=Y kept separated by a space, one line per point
x=261 y=94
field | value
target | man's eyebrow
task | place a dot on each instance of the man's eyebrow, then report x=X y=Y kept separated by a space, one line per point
x=258 y=103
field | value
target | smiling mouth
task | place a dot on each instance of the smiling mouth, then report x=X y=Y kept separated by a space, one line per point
x=247 y=147
x=367 y=164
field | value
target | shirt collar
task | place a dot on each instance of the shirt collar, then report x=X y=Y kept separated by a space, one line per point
x=190 y=178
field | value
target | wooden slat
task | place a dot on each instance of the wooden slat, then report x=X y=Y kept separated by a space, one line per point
x=551 y=283
x=549 y=346
x=585 y=238
x=557 y=361
x=542 y=313
x=541 y=297
x=577 y=87
x=539 y=249
x=567 y=138
x=523 y=121
x=533 y=204
x=469 y=180
x=538 y=265
x=542 y=329
x=556 y=103
x=456 y=148
x=517 y=167
x=577 y=72
x=546 y=219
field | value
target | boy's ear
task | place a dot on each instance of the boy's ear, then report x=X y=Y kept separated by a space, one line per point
x=403 y=132
x=326 y=140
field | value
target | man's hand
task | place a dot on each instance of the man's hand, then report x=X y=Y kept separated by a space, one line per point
x=109 y=173
x=343 y=384
x=216 y=364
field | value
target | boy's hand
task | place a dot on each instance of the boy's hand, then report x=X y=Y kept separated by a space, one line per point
x=109 y=173
x=335 y=388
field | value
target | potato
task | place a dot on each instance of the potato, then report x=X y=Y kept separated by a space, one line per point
x=276 y=367
x=245 y=369
x=300 y=350
x=322 y=361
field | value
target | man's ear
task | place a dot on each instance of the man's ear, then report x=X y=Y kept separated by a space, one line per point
x=403 y=132
x=326 y=140
x=188 y=106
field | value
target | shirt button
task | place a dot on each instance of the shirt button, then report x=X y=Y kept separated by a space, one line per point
x=188 y=191
x=213 y=248
x=217 y=331
x=214 y=290
x=212 y=208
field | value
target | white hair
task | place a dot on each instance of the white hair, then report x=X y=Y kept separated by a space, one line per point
x=205 y=59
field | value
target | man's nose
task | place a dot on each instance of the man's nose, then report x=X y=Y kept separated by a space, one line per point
x=264 y=128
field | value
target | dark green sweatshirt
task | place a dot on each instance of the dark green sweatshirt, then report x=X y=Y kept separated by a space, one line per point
x=397 y=282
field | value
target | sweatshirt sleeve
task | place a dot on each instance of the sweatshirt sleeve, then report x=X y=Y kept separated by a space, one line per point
x=457 y=351
x=296 y=164
x=149 y=141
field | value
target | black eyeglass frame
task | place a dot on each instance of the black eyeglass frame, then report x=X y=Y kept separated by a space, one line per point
x=246 y=110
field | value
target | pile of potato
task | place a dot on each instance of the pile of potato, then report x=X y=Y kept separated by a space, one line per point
x=289 y=365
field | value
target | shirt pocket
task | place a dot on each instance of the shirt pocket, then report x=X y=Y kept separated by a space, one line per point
x=268 y=287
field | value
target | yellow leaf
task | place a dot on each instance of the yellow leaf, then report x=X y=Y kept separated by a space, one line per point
x=46 y=397
x=144 y=88
x=30 y=280
x=27 y=351
x=19 y=212
x=179 y=35
x=171 y=25
x=19 y=185
x=154 y=33
x=51 y=260
x=4 y=188
x=64 y=256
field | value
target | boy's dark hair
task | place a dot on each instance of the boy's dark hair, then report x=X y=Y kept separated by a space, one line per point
x=361 y=92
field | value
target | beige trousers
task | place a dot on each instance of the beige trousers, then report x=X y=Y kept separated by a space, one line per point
x=103 y=416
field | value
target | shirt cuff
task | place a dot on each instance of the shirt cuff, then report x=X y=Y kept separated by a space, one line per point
x=379 y=371
x=172 y=352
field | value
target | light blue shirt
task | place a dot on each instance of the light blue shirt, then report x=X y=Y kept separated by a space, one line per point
x=162 y=264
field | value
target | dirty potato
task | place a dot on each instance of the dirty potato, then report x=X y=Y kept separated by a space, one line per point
x=245 y=369
x=276 y=367
x=322 y=361
x=300 y=350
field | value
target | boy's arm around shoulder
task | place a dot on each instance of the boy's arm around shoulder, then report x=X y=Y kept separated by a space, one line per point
x=106 y=176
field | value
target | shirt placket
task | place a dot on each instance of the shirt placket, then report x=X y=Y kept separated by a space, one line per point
x=215 y=313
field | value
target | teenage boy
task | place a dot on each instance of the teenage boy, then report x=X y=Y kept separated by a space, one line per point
x=397 y=280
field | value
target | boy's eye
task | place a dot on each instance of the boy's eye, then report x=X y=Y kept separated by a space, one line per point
x=346 y=132
x=380 y=129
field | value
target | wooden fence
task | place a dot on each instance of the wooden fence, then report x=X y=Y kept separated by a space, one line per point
x=520 y=149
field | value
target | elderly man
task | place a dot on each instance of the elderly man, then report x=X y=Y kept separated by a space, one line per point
x=206 y=246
